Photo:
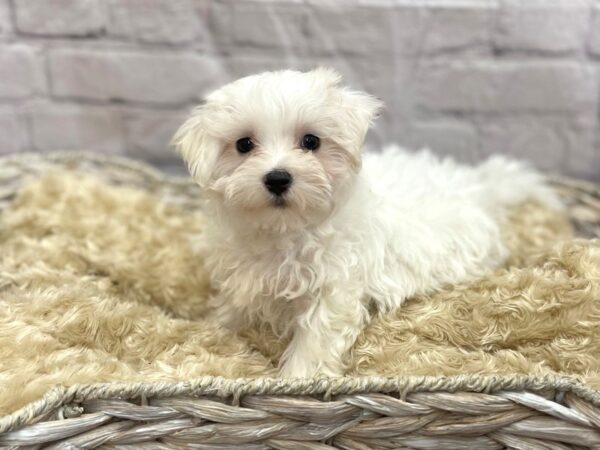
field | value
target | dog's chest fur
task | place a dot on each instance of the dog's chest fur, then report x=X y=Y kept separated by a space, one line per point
x=270 y=279
x=283 y=270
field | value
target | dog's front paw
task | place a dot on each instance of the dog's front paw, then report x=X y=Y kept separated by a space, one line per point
x=299 y=368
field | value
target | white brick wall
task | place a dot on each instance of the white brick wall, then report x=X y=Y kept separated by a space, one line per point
x=162 y=78
x=465 y=77
x=21 y=74
x=59 y=17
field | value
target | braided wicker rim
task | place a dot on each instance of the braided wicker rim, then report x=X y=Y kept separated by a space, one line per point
x=467 y=411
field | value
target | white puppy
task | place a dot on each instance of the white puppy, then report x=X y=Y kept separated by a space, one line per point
x=302 y=237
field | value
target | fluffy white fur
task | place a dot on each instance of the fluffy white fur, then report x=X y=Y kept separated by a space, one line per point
x=347 y=238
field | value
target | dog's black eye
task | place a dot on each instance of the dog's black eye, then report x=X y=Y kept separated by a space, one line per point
x=244 y=145
x=310 y=142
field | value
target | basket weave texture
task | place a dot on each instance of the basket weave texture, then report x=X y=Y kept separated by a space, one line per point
x=484 y=412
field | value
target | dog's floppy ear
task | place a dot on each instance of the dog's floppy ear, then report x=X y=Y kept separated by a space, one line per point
x=198 y=149
x=329 y=76
x=355 y=109
x=358 y=110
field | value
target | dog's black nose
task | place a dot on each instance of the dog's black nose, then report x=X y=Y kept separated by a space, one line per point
x=278 y=181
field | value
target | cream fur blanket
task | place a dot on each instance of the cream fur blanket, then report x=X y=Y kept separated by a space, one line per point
x=99 y=283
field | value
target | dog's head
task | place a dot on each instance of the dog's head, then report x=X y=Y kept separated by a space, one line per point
x=278 y=150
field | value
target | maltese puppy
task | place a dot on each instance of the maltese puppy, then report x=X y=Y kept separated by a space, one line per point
x=307 y=234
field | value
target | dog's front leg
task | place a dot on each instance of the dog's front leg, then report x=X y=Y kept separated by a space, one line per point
x=322 y=336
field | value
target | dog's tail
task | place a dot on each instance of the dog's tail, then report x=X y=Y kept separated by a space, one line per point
x=513 y=182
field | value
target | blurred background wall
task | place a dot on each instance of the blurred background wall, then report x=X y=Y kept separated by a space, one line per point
x=465 y=78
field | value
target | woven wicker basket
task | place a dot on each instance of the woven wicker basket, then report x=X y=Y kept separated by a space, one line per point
x=483 y=412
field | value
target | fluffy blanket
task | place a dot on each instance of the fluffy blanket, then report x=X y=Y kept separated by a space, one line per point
x=100 y=283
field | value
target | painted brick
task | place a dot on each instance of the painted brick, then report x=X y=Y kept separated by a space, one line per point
x=166 y=78
x=594 y=35
x=5 y=19
x=76 y=127
x=364 y=29
x=583 y=156
x=444 y=137
x=59 y=17
x=248 y=24
x=459 y=27
x=582 y=163
x=13 y=131
x=241 y=65
x=156 y=21
x=148 y=133
x=550 y=144
x=20 y=72
x=554 y=27
x=356 y=29
x=325 y=29
x=508 y=86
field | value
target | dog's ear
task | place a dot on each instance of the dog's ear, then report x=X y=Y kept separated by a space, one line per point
x=199 y=150
x=357 y=111
x=327 y=75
